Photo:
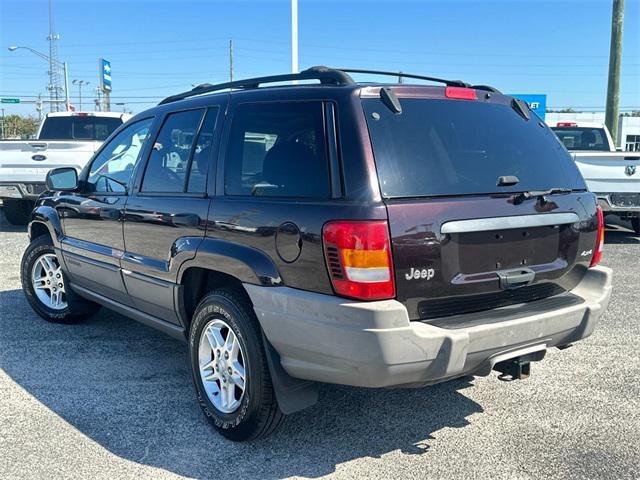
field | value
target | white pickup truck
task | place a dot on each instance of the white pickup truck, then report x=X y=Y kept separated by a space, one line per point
x=64 y=139
x=613 y=176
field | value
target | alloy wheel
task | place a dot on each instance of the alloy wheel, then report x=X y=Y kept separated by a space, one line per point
x=222 y=366
x=48 y=282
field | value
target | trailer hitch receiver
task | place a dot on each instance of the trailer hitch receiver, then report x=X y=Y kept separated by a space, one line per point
x=518 y=368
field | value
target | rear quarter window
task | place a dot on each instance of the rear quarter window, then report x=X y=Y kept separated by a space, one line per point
x=278 y=149
x=456 y=147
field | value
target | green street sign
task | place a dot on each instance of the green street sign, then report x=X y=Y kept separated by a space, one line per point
x=10 y=100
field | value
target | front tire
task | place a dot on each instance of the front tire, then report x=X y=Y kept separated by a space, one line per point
x=47 y=288
x=230 y=369
x=635 y=223
x=17 y=212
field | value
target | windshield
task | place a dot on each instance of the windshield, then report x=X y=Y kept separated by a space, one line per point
x=582 y=138
x=78 y=128
x=452 y=147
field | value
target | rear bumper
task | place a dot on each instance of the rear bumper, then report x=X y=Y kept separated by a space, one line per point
x=20 y=190
x=609 y=206
x=373 y=344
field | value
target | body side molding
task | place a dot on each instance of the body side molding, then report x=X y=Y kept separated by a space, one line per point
x=169 y=328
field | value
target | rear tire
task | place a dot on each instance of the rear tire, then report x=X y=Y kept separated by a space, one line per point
x=40 y=261
x=253 y=410
x=17 y=212
x=635 y=223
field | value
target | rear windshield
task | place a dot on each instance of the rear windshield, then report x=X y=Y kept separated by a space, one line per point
x=455 y=147
x=78 y=128
x=582 y=138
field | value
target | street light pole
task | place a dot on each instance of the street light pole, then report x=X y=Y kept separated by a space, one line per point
x=52 y=62
x=294 y=36
x=80 y=83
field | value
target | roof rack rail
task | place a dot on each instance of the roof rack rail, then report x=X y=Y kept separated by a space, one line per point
x=449 y=83
x=487 y=88
x=327 y=76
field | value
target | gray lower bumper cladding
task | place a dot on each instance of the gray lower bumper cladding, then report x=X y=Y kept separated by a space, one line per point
x=373 y=344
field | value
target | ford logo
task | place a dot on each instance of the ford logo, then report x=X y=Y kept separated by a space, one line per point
x=39 y=158
x=630 y=170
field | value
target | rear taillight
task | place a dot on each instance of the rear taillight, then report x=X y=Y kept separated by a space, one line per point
x=460 y=93
x=358 y=256
x=566 y=124
x=597 y=254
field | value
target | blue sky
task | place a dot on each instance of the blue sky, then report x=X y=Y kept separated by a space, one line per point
x=160 y=47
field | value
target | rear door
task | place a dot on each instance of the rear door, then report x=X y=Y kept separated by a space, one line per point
x=166 y=217
x=462 y=240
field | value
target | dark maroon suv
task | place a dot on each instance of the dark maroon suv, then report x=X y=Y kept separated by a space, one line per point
x=374 y=235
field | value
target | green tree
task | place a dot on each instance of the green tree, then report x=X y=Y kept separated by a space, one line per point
x=18 y=126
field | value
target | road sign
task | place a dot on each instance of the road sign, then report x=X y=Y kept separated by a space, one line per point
x=536 y=102
x=10 y=100
x=105 y=75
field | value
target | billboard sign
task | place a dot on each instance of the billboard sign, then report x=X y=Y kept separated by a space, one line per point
x=536 y=102
x=105 y=75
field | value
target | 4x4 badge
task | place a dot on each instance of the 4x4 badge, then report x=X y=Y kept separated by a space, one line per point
x=415 y=274
x=630 y=170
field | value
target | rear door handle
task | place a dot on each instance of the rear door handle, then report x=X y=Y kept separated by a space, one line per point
x=520 y=277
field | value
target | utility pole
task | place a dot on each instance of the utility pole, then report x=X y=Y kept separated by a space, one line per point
x=98 y=100
x=231 y=60
x=400 y=79
x=615 y=54
x=67 y=93
x=294 y=36
x=39 y=107
x=2 y=124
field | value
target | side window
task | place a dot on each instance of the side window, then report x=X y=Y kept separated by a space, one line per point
x=202 y=154
x=169 y=159
x=112 y=168
x=278 y=150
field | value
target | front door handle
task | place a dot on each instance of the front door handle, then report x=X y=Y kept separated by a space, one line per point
x=519 y=277
x=110 y=213
x=185 y=220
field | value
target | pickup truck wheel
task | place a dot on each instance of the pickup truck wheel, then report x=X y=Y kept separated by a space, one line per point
x=635 y=223
x=17 y=212
x=46 y=286
x=230 y=368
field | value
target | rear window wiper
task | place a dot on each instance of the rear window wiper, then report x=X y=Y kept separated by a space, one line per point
x=540 y=194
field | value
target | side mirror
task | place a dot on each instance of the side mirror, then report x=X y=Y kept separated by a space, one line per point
x=62 y=179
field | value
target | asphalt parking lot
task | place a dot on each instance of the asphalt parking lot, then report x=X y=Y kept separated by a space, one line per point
x=111 y=398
